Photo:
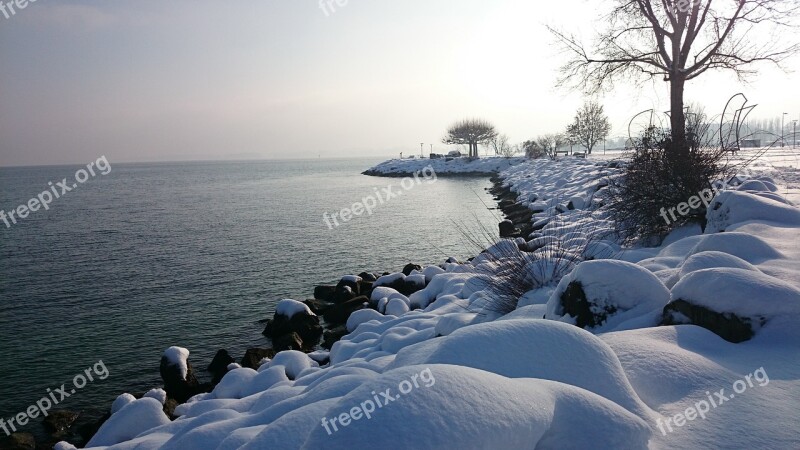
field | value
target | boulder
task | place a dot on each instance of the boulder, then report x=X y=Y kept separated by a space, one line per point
x=324 y=292
x=728 y=326
x=290 y=341
x=253 y=356
x=340 y=313
x=368 y=276
x=334 y=335
x=177 y=386
x=410 y=268
x=305 y=325
x=507 y=229
x=219 y=365
x=351 y=281
x=87 y=430
x=59 y=421
x=317 y=306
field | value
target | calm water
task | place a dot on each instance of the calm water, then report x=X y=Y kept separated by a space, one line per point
x=154 y=255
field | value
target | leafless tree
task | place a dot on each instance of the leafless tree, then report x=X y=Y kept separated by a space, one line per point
x=545 y=145
x=590 y=126
x=502 y=147
x=470 y=132
x=677 y=41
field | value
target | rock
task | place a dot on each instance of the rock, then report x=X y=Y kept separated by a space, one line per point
x=575 y=304
x=289 y=341
x=353 y=282
x=306 y=326
x=340 y=313
x=317 y=306
x=252 y=357
x=324 y=292
x=725 y=325
x=169 y=408
x=369 y=277
x=219 y=365
x=343 y=294
x=507 y=229
x=178 y=387
x=414 y=283
x=18 y=441
x=334 y=335
x=410 y=268
x=59 y=421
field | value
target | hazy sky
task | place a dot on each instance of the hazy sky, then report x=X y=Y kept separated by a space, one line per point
x=185 y=80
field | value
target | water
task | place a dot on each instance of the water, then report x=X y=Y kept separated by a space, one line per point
x=154 y=255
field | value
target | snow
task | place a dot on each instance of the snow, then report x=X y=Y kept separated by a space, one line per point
x=121 y=402
x=389 y=279
x=131 y=420
x=290 y=308
x=743 y=292
x=351 y=279
x=620 y=289
x=362 y=316
x=178 y=356
x=521 y=381
x=158 y=394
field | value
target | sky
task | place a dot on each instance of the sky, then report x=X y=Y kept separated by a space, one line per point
x=283 y=79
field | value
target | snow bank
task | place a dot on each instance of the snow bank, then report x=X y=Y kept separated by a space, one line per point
x=132 y=419
x=733 y=207
x=745 y=293
x=469 y=408
x=404 y=167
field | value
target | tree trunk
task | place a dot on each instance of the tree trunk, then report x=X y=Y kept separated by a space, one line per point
x=677 y=116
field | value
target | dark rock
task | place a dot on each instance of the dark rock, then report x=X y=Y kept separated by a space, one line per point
x=575 y=304
x=219 y=365
x=59 y=421
x=355 y=286
x=178 y=387
x=343 y=294
x=369 y=277
x=410 y=268
x=305 y=325
x=253 y=356
x=340 y=313
x=452 y=260
x=18 y=441
x=728 y=326
x=398 y=285
x=324 y=292
x=410 y=285
x=507 y=229
x=334 y=335
x=318 y=307
x=169 y=408
x=289 y=341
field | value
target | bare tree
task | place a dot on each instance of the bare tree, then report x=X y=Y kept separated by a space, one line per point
x=679 y=40
x=470 y=132
x=502 y=147
x=545 y=145
x=590 y=126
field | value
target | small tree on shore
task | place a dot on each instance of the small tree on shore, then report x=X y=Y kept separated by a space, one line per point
x=470 y=132
x=502 y=146
x=590 y=126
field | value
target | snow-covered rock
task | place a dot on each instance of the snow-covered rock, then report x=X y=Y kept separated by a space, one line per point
x=602 y=294
x=290 y=308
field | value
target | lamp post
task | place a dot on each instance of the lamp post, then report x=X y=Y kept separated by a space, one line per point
x=794 y=134
x=783 y=132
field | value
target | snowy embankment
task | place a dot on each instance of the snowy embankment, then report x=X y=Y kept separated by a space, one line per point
x=443 y=166
x=631 y=353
